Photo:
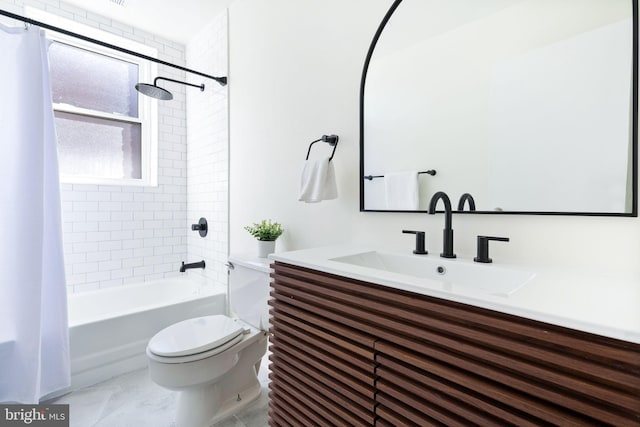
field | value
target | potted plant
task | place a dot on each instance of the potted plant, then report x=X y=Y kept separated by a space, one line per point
x=266 y=232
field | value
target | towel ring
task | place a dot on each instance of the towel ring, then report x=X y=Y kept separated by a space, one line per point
x=329 y=139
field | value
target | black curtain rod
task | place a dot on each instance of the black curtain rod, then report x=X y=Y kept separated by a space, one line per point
x=108 y=45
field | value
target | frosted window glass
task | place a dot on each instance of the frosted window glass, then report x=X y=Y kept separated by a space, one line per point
x=96 y=147
x=89 y=80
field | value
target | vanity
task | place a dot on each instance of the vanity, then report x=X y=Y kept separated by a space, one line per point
x=355 y=343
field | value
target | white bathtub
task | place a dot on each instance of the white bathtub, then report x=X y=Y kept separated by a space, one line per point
x=109 y=329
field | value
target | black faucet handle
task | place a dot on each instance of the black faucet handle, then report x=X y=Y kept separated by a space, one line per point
x=420 y=239
x=483 y=248
x=201 y=227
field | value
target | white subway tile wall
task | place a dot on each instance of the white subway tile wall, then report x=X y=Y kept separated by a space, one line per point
x=207 y=151
x=116 y=235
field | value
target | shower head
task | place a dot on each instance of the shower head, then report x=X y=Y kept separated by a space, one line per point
x=155 y=91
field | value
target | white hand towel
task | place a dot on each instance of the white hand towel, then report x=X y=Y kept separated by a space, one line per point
x=401 y=190
x=318 y=181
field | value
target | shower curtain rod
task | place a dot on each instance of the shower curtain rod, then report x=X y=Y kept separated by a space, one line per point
x=104 y=44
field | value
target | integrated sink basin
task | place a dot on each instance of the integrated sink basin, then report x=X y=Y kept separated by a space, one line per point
x=488 y=278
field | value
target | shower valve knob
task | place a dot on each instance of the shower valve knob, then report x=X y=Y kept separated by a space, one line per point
x=201 y=227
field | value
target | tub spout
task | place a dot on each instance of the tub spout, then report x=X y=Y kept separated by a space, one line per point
x=186 y=267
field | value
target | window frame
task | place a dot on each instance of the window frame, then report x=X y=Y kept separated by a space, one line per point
x=147 y=109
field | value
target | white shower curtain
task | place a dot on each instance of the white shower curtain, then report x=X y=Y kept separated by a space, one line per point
x=34 y=338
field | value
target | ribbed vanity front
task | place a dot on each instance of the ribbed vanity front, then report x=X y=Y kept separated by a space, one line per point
x=346 y=352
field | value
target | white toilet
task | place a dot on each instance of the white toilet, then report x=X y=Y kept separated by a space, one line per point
x=213 y=361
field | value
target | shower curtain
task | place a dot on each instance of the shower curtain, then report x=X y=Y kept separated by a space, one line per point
x=34 y=338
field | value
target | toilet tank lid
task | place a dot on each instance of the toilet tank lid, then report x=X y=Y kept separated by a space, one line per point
x=194 y=336
x=252 y=262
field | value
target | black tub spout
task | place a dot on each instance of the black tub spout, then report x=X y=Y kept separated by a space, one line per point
x=186 y=267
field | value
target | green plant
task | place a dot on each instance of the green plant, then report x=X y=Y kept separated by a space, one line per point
x=265 y=230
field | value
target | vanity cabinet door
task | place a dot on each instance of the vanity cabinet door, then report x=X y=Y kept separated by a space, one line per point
x=322 y=370
x=455 y=364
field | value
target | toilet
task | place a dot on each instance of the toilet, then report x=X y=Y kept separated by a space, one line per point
x=213 y=361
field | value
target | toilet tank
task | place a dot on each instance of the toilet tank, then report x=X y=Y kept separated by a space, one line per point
x=249 y=289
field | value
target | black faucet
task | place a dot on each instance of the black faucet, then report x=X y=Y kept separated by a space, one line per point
x=466 y=197
x=186 y=267
x=447 y=233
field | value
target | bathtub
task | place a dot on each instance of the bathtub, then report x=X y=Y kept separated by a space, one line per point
x=109 y=329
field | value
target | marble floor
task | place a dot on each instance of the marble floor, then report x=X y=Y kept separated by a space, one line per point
x=133 y=400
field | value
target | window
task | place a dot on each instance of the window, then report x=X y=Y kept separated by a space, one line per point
x=106 y=130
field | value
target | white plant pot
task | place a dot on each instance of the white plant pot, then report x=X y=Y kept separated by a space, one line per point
x=266 y=247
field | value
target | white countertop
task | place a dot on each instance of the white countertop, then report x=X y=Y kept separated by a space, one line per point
x=250 y=261
x=599 y=305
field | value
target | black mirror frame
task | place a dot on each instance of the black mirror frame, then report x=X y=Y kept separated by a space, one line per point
x=634 y=130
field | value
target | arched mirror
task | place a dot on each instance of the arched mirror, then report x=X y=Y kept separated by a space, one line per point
x=530 y=106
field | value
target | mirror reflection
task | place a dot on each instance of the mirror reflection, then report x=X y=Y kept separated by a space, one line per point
x=527 y=105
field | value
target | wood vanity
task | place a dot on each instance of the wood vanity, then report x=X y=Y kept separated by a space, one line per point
x=348 y=352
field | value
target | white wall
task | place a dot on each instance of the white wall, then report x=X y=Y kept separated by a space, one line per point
x=295 y=71
x=207 y=151
x=115 y=235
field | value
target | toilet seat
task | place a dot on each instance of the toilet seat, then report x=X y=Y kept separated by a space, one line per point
x=208 y=334
x=195 y=357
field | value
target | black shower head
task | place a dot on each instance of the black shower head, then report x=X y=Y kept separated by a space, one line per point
x=155 y=91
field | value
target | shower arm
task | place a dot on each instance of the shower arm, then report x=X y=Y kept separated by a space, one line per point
x=178 y=81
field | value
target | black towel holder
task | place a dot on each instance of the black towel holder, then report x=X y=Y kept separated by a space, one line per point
x=431 y=172
x=329 y=139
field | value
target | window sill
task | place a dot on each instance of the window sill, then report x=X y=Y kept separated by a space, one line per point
x=125 y=182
